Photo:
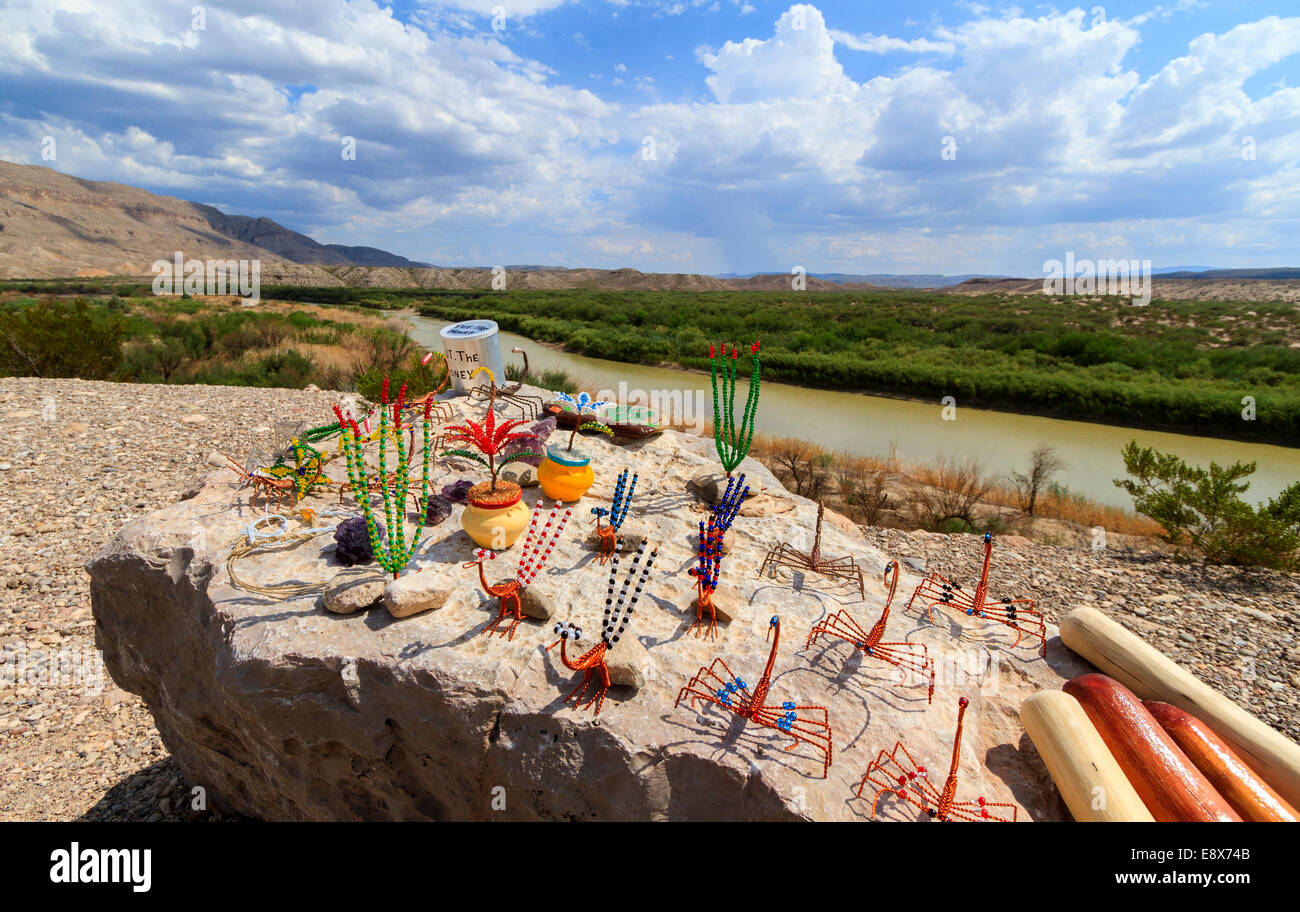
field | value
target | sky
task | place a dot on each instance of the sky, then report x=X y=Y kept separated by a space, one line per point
x=706 y=136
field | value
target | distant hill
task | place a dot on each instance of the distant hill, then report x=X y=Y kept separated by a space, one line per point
x=53 y=224
x=1278 y=272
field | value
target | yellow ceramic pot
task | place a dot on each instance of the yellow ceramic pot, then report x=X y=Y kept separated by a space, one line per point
x=565 y=475
x=494 y=519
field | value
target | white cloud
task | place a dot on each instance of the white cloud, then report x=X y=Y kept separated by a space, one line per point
x=883 y=44
x=465 y=145
x=797 y=61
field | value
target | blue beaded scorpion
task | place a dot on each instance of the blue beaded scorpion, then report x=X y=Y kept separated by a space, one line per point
x=802 y=723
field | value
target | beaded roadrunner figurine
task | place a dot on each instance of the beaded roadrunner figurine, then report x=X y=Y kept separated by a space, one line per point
x=617 y=512
x=708 y=563
x=533 y=556
x=618 y=614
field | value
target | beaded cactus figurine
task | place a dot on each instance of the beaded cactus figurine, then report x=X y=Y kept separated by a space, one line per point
x=617 y=512
x=392 y=551
x=732 y=443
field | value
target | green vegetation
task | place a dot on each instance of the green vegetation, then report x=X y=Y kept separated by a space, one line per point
x=1181 y=365
x=53 y=339
x=1174 y=364
x=1202 y=509
x=171 y=340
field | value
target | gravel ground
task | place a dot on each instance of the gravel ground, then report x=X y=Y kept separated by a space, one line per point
x=1237 y=629
x=81 y=458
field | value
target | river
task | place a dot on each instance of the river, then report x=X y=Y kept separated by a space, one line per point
x=868 y=425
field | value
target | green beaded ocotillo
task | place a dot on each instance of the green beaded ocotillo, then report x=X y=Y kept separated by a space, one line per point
x=393 y=554
x=731 y=442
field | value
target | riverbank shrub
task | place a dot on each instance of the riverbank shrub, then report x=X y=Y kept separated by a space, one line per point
x=1172 y=364
x=1202 y=510
x=53 y=338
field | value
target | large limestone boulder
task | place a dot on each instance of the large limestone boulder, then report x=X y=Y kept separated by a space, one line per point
x=285 y=710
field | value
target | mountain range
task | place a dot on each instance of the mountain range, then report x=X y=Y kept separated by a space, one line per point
x=54 y=225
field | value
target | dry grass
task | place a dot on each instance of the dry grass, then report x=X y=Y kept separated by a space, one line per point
x=922 y=495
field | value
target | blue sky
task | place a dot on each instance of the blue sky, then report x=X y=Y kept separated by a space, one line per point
x=689 y=135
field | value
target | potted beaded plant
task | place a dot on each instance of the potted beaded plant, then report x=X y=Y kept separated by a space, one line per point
x=566 y=473
x=391 y=551
x=494 y=514
x=732 y=443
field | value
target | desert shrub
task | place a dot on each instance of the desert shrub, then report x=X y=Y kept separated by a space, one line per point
x=419 y=379
x=1043 y=465
x=861 y=487
x=554 y=380
x=54 y=339
x=952 y=491
x=801 y=465
x=1202 y=509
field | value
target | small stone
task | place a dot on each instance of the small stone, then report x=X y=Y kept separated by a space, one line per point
x=915 y=564
x=726 y=605
x=629 y=663
x=710 y=487
x=536 y=603
x=413 y=593
x=521 y=473
x=217 y=459
x=630 y=538
x=348 y=593
x=194 y=419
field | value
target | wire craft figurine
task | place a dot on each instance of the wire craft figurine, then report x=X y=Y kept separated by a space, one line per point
x=583 y=404
x=1018 y=614
x=618 y=614
x=252 y=473
x=442 y=411
x=806 y=724
x=912 y=658
x=392 y=551
x=529 y=406
x=617 y=512
x=841 y=569
x=911 y=782
x=708 y=563
x=536 y=551
x=732 y=443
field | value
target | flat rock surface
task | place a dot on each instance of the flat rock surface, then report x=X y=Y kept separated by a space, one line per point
x=290 y=712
